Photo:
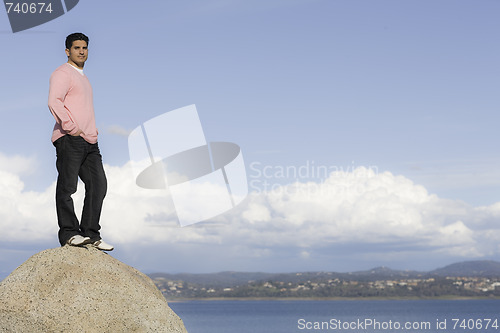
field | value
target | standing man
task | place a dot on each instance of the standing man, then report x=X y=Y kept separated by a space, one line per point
x=78 y=155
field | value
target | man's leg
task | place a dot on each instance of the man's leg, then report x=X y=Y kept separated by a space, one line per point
x=69 y=159
x=93 y=176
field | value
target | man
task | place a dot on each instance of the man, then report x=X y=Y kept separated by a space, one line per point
x=78 y=155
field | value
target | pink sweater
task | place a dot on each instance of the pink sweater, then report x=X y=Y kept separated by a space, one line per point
x=71 y=104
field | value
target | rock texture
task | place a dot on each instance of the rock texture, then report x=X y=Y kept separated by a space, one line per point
x=81 y=289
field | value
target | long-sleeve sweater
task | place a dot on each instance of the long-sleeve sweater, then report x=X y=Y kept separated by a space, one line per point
x=71 y=104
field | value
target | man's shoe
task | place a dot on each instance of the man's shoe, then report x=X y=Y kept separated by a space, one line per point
x=78 y=240
x=102 y=245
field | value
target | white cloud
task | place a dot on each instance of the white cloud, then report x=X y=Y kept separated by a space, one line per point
x=377 y=214
x=118 y=130
x=25 y=216
x=17 y=164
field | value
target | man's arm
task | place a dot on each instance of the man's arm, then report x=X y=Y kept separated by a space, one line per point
x=60 y=83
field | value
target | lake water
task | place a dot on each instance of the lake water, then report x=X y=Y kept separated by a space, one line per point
x=344 y=316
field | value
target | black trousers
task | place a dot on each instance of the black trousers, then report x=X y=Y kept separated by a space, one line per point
x=78 y=158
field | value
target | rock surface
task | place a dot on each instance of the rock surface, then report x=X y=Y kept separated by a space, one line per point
x=81 y=289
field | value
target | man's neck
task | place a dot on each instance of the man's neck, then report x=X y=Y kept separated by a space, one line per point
x=76 y=65
x=77 y=69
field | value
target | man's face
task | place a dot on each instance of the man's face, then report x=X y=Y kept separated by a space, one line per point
x=78 y=53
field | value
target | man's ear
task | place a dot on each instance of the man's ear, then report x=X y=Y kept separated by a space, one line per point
x=67 y=52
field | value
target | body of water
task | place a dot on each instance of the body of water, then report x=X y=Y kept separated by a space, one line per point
x=344 y=316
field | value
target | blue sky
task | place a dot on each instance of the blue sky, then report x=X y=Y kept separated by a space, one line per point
x=403 y=91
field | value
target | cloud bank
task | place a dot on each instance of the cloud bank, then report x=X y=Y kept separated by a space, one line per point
x=363 y=213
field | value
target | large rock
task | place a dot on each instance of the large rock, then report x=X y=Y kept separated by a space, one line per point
x=81 y=289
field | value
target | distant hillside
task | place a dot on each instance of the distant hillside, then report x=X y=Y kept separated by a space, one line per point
x=478 y=268
x=483 y=268
x=379 y=273
x=469 y=279
x=215 y=279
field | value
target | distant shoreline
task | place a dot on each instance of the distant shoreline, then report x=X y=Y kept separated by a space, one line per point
x=281 y=299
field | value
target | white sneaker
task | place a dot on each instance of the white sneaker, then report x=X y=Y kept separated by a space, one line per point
x=102 y=245
x=78 y=240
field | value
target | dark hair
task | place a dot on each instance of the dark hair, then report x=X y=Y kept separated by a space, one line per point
x=75 y=36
